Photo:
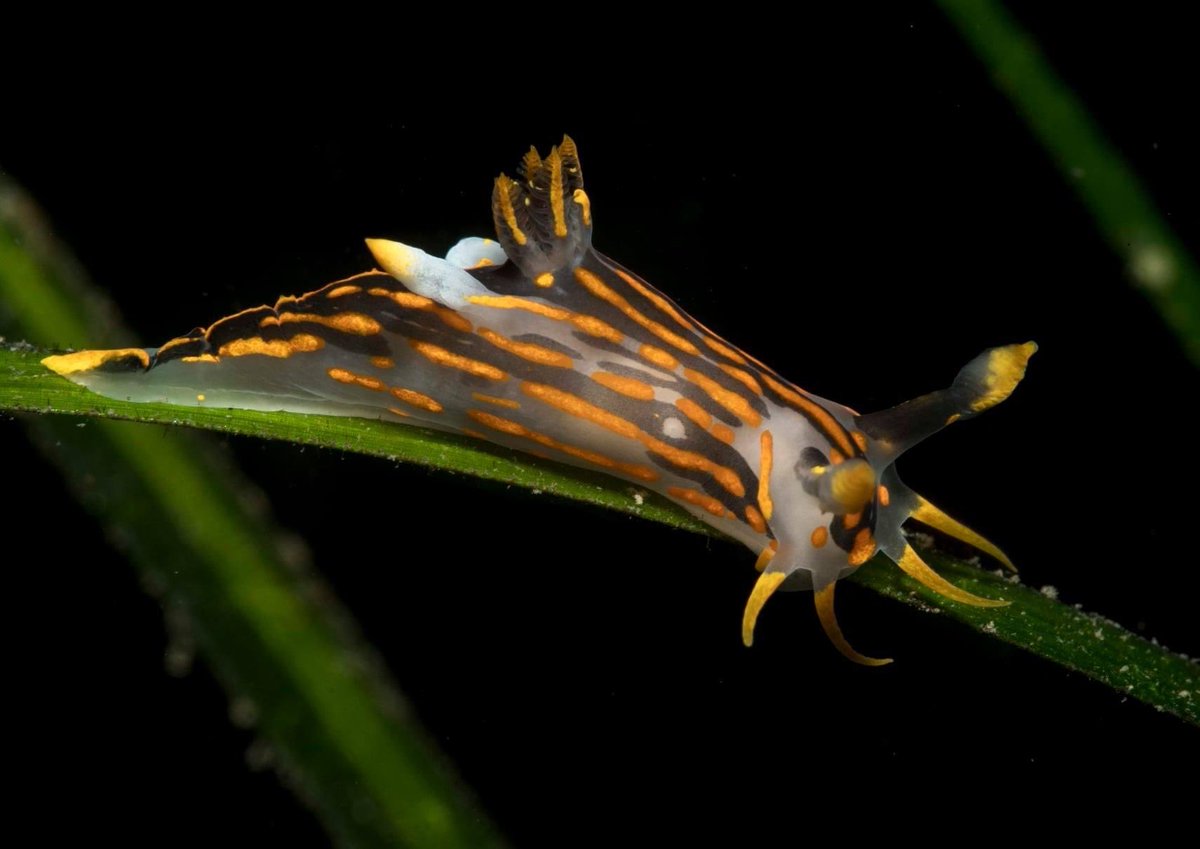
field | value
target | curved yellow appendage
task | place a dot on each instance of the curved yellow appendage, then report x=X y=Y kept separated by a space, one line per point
x=928 y=514
x=919 y=571
x=824 y=602
x=766 y=585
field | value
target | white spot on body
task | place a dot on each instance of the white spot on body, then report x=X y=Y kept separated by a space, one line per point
x=673 y=428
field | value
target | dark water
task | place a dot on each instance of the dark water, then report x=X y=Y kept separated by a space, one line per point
x=865 y=213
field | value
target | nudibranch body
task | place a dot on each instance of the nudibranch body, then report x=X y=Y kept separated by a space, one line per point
x=538 y=342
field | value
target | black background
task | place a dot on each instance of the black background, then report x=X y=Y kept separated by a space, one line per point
x=846 y=197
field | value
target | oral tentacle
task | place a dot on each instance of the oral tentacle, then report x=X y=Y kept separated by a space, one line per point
x=917 y=569
x=823 y=599
x=928 y=514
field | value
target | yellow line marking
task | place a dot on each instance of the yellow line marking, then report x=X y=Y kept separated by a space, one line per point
x=354 y=323
x=499 y=402
x=724 y=350
x=698 y=499
x=723 y=433
x=765 y=460
x=601 y=290
x=575 y=406
x=832 y=429
x=580 y=197
x=694 y=411
x=628 y=386
x=587 y=323
x=517 y=429
x=658 y=357
x=527 y=350
x=503 y=186
x=742 y=376
x=416 y=399
x=279 y=348
x=509 y=302
x=408 y=300
x=341 y=375
x=554 y=163
x=727 y=398
x=653 y=297
x=451 y=360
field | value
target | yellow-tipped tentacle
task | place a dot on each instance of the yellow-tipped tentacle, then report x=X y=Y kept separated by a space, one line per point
x=824 y=602
x=928 y=514
x=766 y=585
x=919 y=571
x=1005 y=369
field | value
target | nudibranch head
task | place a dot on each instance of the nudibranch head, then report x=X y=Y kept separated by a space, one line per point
x=845 y=500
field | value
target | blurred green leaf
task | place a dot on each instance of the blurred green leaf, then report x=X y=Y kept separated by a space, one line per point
x=1156 y=260
x=341 y=730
